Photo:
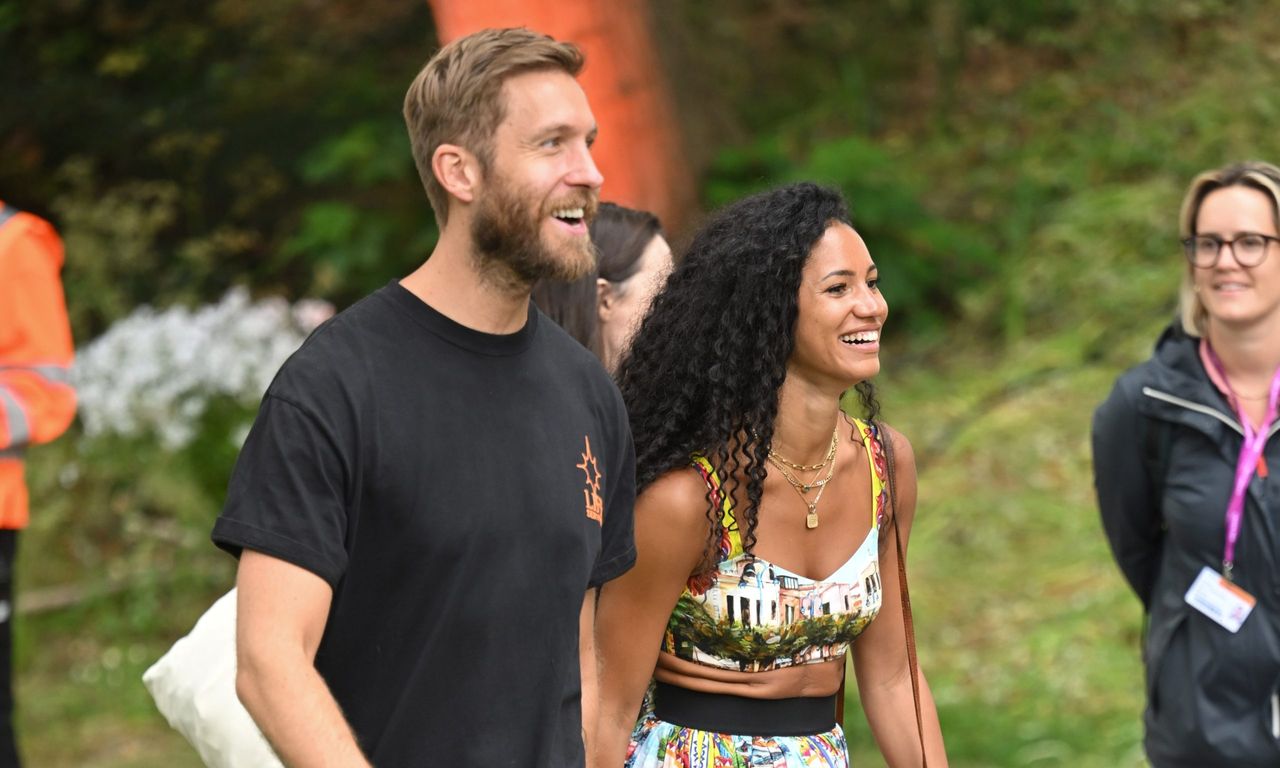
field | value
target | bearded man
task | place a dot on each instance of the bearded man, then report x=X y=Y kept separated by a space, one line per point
x=439 y=480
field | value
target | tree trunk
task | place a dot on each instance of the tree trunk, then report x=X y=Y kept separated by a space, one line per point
x=638 y=149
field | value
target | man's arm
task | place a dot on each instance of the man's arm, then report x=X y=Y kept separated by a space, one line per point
x=590 y=671
x=280 y=618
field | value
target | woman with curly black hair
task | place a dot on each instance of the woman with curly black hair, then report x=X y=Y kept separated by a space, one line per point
x=763 y=526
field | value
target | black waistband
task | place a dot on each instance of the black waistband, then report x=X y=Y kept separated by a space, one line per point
x=739 y=715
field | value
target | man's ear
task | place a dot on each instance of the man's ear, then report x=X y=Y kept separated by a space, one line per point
x=457 y=170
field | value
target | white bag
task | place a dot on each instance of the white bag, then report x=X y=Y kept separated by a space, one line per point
x=194 y=686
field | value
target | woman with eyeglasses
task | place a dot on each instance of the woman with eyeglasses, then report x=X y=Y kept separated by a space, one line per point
x=1183 y=454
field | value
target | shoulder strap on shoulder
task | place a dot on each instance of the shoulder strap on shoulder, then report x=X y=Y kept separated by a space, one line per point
x=872 y=434
x=731 y=536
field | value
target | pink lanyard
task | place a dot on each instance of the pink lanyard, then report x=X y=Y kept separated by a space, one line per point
x=1247 y=463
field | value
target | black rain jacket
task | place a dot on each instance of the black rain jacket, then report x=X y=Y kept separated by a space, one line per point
x=1212 y=696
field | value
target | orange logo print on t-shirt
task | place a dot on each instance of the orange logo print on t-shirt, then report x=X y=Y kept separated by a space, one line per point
x=591 y=493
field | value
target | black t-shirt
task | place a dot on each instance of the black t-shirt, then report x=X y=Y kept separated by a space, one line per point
x=448 y=484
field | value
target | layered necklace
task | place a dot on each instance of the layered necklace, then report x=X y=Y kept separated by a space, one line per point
x=803 y=488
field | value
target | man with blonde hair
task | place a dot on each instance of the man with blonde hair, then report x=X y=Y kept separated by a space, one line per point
x=439 y=480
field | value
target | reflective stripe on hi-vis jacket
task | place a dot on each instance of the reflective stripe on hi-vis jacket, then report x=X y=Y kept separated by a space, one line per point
x=37 y=401
x=15 y=419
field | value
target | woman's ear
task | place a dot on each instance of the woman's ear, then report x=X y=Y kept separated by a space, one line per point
x=606 y=300
x=457 y=170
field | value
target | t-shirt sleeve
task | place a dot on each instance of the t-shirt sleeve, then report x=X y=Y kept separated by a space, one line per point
x=288 y=493
x=617 y=539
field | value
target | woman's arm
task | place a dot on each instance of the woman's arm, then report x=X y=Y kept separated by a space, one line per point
x=631 y=616
x=880 y=653
x=1126 y=497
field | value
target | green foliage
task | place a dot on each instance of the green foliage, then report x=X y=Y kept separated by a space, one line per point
x=925 y=261
x=118 y=509
x=971 y=136
x=185 y=148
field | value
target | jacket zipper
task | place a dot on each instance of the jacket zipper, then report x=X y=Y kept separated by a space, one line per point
x=1200 y=408
x=1275 y=715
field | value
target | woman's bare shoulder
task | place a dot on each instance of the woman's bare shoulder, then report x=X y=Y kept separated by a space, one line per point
x=677 y=498
x=672 y=528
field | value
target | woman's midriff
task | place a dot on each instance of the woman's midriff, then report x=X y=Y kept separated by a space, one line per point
x=822 y=679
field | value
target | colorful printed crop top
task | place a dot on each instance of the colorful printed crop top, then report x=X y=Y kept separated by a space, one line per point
x=751 y=615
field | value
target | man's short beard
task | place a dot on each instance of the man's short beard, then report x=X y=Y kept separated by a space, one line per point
x=509 y=247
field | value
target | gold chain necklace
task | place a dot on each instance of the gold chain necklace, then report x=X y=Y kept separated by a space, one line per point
x=802 y=488
x=831 y=452
x=797 y=483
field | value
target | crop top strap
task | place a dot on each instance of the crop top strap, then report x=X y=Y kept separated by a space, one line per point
x=730 y=536
x=872 y=434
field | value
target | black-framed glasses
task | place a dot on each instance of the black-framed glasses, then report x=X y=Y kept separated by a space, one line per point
x=1249 y=248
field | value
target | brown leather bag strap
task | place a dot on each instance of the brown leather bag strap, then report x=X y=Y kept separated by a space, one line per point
x=908 y=625
x=840 y=696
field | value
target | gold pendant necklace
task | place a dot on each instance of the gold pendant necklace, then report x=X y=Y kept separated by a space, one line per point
x=803 y=488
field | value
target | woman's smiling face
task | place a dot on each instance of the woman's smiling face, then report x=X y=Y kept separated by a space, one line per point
x=840 y=312
x=1232 y=294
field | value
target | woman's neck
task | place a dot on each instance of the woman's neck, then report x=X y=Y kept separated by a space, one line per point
x=806 y=416
x=1249 y=356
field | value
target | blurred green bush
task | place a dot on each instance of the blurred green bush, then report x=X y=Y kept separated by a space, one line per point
x=186 y=148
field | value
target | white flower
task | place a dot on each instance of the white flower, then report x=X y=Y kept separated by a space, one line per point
x=156 y=371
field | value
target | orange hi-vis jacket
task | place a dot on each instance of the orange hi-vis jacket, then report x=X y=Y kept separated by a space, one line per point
x=37 y=402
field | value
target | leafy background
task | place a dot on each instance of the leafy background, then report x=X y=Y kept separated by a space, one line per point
x=1016 y=169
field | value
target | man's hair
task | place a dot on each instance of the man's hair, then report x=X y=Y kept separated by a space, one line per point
x=1263 y=177
x=457 y=97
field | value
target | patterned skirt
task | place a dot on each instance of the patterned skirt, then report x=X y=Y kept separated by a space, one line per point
x=659 y=744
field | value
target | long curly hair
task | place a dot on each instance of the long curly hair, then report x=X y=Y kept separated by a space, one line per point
x=704 y=370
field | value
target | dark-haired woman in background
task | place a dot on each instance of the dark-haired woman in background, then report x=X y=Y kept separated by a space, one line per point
x=771 y=553
x=1182 y=452
x=603 y=309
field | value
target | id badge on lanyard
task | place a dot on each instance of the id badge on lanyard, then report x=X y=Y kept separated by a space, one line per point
x=1214 y=595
